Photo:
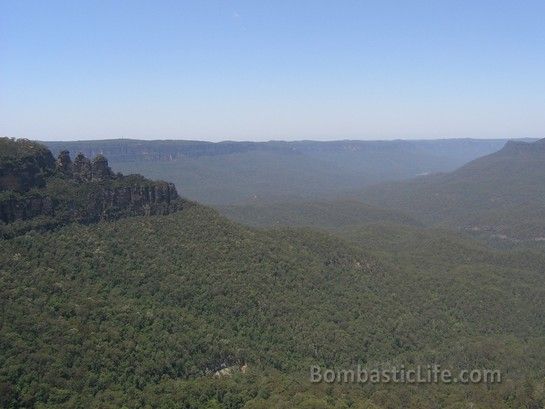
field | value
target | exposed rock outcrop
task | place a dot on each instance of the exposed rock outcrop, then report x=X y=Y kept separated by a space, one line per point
x=83 y=190
x=64 y=163
x=100 y=169
x=82 y=168
x=107 y=203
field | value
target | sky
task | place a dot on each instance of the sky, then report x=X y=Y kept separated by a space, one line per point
x=262 y=70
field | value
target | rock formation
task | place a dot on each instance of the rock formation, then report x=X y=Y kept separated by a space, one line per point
x=84 y=191
x=64 y=163
x=100 y=169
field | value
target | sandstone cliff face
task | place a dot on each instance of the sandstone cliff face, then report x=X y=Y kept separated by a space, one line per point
x=82 y=191
x=13 y=209
x=112 y=203
x=106 y=203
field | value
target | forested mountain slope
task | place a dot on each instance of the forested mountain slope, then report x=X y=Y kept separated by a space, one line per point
x=501 y=194
x=188 y=309
x=143 y=310
x=331 y=215
x=240 y=172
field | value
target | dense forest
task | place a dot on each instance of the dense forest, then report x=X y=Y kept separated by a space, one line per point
x=332 y=215
x=187 y=309
x=272 y=204
x=501 y=194
x=498 y=198
x=228 y=173
x=144 y=310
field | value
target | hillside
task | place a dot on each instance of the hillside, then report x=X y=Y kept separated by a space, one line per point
x=143 y=310
x=241 y=172
x=329 y=215
x=39 y=192
x=180 y=307
x=501 y=194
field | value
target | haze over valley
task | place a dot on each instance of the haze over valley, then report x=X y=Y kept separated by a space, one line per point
x=272 y=205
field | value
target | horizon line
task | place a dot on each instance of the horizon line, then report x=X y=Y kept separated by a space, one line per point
x=522 y=138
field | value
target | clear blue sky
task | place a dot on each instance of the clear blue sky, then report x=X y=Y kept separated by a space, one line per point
x=262 y=70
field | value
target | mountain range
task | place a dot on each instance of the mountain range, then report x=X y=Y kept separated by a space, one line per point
x=178 y=306
x=228 y=173
x=501 y=194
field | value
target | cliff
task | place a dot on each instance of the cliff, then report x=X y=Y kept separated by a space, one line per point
x=37 y=191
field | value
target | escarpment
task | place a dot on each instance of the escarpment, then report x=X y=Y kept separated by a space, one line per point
x=37 y=190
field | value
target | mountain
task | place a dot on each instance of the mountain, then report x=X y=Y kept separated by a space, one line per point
x=143 y=311
x=500 y=195
x=181 y=307
x=37 y=191
x=228 y=173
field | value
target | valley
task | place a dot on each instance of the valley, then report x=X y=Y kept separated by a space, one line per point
x=140 y=310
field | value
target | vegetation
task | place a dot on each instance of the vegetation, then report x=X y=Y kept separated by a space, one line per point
x=191 y=310
x=242 y=172
x=141 y=311
x=331 y=215
x=23 y=164
x=501 y=194
x=37 y=192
